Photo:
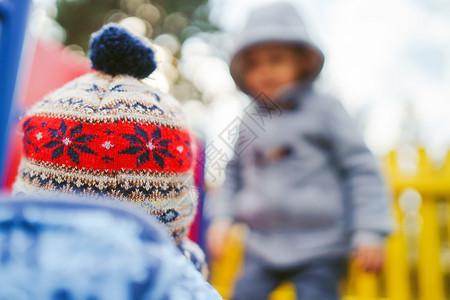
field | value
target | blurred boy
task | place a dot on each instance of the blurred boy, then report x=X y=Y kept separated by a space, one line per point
x=308 y=187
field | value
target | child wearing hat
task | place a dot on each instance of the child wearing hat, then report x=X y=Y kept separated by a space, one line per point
x=107 y=134
x=307 y=186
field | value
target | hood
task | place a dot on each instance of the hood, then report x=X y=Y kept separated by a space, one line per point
x=278 y=22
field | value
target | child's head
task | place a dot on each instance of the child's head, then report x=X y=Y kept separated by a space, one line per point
x=274 y=51
x=108 y=134
x=270 y=67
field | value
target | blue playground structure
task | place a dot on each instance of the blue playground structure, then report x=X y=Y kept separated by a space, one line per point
x=13 y=22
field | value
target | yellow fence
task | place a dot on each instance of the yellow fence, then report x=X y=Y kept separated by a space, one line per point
x=417 y=254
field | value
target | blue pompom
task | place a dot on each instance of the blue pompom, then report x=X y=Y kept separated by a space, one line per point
x=114 y=50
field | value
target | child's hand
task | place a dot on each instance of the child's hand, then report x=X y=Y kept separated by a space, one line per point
x=216 y=238
x=370 y=258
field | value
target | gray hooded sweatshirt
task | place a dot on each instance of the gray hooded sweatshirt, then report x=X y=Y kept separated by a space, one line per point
x=302 y=179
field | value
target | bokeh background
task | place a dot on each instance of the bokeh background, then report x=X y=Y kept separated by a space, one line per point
x=387 y=61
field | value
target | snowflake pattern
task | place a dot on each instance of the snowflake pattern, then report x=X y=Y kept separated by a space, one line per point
x=27 y=129
x=77 y=143
x=107 y=145
x=142 y=145
x=72 y=142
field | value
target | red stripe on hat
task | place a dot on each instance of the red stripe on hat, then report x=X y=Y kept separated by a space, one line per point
x=109 y=146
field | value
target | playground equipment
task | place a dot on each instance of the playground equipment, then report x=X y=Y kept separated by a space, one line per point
x=417 y=253
x=13 y=20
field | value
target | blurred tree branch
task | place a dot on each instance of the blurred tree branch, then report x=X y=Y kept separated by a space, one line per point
x=181 y=18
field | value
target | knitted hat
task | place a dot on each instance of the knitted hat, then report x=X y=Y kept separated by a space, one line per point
x=275 y=23
x=109 y=134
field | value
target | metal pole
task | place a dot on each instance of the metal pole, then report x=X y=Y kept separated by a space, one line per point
x=13 y=20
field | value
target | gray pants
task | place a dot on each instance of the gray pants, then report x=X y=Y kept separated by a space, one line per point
x=315 y=280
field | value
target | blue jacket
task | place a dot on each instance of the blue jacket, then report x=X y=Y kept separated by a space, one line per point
x=304 y=181
x=77 y=249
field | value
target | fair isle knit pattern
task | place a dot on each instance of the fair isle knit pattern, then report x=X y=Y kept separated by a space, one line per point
x=115 y=136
